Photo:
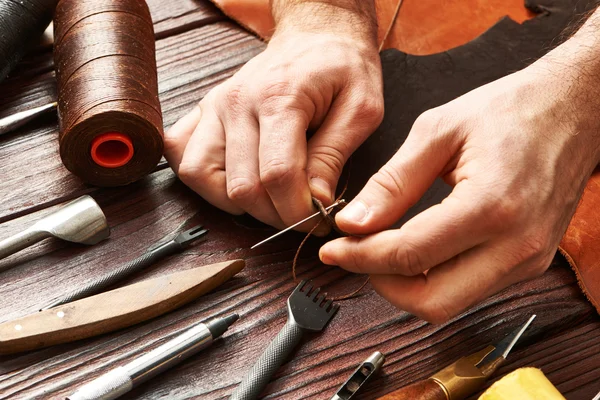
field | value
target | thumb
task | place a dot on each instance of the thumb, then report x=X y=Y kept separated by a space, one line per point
x=348 y=124
x=403 y=180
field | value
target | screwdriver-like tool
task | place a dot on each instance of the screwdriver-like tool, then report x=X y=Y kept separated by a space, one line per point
x=155 y=253
x=463 y=378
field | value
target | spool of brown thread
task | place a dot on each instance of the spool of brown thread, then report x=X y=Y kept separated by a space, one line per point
x=111 y=130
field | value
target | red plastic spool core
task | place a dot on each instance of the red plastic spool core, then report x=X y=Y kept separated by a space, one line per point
x=112 y=150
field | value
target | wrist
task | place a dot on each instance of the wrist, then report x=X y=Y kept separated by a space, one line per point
x=353 y=19
x=571 y=74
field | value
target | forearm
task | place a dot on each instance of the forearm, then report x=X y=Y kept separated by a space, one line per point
x=354 y=17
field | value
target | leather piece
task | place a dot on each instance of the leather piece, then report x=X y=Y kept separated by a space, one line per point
x=420 y=28
x=581 y=243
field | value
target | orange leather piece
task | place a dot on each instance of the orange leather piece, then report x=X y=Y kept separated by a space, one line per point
x=423 y=27
x=580 y=244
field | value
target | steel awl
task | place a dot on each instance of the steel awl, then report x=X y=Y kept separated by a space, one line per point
x=80 y=221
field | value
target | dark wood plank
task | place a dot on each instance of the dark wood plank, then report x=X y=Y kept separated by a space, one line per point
x=189 y=64
x=141 y=214
x=174 y=17
x=565 y=340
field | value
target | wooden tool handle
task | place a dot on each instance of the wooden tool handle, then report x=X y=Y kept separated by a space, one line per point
x=113 y=310
x=422 y=390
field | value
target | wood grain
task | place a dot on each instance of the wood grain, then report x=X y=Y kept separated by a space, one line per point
x=427 y=389
x=113 y=310
x=564 y=340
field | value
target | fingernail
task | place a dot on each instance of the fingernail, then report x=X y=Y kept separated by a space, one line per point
x=356 y=212
x=319 y=185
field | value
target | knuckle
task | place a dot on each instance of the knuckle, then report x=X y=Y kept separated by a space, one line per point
x=391 y=180
x=405 y=260
x=330 y=157
x=277 y=173
x=533 y=247
x=278 y=95
x=432 y=122
x=500 y=212
x=434 y=311
x=234 y=96
x=242 y=190
x=192 y=174
x=370 y=110
x=356 y=258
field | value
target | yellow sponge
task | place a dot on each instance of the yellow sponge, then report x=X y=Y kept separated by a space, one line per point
x=523 y=384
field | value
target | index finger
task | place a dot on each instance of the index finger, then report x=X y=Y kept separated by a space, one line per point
x=432 y=237
x=283 y=160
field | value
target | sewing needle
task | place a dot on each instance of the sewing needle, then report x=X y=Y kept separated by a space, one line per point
x=337 y=203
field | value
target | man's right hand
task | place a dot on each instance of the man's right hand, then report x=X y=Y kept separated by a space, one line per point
x=244 y=148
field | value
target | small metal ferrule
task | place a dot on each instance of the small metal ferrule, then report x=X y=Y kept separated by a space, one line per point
x=364 y=371
x=463 y=378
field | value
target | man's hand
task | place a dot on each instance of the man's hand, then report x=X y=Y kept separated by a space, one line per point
x=245 y=149
x=518 y=153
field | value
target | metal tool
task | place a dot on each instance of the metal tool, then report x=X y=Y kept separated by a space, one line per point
x=306 y=312
x=154 y=254
x=364 y=371
x=12 y=122
x=289 y=228
x=80 y=221
x=116 y=309
x=465 y=377
x=121 y=380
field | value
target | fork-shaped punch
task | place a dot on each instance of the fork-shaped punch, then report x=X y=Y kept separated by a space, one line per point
x=307 y=311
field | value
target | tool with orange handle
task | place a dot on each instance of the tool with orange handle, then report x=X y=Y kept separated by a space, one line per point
x=463 y=378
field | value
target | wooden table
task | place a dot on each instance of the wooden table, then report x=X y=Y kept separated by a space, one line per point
x=197 y=48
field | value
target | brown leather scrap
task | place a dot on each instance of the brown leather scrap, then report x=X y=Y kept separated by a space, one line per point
x=581 y=243
x=423 y=27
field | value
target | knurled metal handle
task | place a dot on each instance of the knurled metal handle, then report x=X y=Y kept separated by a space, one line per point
x=268 y=363
x=120 y=273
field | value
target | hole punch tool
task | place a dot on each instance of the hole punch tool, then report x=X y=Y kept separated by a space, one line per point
x=306 y=312
x=80 y=221
x=179 y=243
x=364 y=371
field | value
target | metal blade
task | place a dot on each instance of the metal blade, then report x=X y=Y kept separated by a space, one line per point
x=504 y=347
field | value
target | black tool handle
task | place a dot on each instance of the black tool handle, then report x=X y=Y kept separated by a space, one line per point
x=120 y=273
x=268 y=363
